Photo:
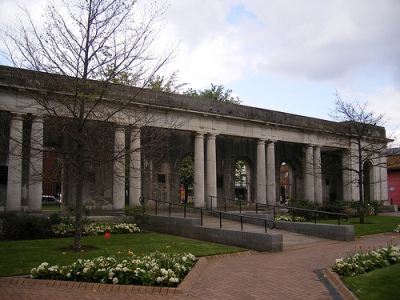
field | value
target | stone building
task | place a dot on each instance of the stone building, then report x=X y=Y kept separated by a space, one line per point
x=315 y=153
x=393 y=166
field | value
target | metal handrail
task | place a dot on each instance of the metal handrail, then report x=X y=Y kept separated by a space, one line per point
x=340 y=216
x=268 y=223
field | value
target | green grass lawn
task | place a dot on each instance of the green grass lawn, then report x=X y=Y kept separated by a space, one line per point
x=19 y=257
x=373 y=224
x=379 y=284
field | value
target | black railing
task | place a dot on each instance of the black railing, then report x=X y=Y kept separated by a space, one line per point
x=339 y=216
x=268 y=223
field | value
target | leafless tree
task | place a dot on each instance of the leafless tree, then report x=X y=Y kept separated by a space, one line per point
x=364 y=135
x=93 y=44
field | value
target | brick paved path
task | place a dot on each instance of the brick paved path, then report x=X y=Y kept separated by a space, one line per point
x=285 y=275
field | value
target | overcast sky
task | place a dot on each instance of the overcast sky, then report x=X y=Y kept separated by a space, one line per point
x=286 y=55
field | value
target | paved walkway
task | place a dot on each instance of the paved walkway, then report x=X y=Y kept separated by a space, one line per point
x=290 y=274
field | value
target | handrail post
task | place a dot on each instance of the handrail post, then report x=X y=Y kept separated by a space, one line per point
x=315 y=217
x=184 y=211
x=265 y=225
x=240 y=206
x=211 y=202
x=220 y=220
x=201 y=217
x=169 y=209
x=156 y=207
x=241 y=223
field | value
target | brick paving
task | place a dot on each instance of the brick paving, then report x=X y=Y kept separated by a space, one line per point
x=290 y=274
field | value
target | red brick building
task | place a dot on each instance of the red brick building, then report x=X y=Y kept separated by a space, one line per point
x=393 y=176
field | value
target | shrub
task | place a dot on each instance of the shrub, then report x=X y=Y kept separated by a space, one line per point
x=25 y=226
x=136 y=215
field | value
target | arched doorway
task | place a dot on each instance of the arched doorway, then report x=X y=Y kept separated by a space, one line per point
x=187 y=178
x=242 y=179
x=368 y=181
x=285 y=182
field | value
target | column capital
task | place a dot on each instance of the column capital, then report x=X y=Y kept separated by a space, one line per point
x=260 y=141
x=17 y=116
x=272 y=141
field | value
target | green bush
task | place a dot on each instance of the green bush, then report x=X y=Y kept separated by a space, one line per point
x=23 y=227
x=136 y=215
x=303 y=204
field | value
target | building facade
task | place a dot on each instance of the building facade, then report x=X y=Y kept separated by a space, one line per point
x=393 y=166
x=316 y=153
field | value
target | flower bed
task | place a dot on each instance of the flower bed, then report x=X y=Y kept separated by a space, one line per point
x=289 y=218
x=361 y=263
x=94 y=228
x=156 y=269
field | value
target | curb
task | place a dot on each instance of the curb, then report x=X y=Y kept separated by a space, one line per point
x=335 y=281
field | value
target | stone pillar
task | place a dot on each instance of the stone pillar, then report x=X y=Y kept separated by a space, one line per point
x=36 y=166
x=211 y=171
x=135 y=173
x=309 y=175
x=317 y=175
x=119 y=169
x=346 y=176
x=199 y=170
x=271 y=179
x=261 y=176
x=14 y=180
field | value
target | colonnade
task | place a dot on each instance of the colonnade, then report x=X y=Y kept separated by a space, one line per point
x=35 y=179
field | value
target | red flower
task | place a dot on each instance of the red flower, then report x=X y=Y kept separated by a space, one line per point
x=107 y=235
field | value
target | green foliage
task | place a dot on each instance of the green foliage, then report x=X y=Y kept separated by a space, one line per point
x=24 y=226
x=376 y=285
x=360 y=262
x=28 y=254
x=136 y=215
x=216 y=92
x=303 y=204
x=187 y=170
x=155 y=269
x=169 y=85
x=66 y=229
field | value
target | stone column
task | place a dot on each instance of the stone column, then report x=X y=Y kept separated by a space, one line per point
x=261 y=176
x=317 y=175
x=199 y=170
x=36 y=166
x=309 y=174
x=211 y=171
x=119 y=169
x=135 y=178
x=271 y=179
x=14 y=180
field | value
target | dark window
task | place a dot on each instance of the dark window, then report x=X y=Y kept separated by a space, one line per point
x=220 y=180
x=161 y=178
x=3 y=174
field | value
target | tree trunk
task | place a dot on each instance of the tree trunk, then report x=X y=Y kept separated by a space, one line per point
x=79 y=199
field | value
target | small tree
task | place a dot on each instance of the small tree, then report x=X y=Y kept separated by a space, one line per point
x=94 y=44
x=361 y=134
x=216 y=92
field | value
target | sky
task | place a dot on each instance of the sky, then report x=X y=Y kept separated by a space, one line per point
x=286 y=55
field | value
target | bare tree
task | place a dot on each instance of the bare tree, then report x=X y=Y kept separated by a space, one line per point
x=93 y=44
x=366 y=139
